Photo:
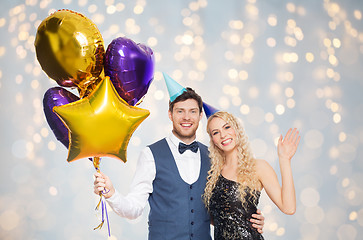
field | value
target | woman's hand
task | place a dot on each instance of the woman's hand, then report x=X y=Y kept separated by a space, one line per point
x=286 y=147
x=103 y=184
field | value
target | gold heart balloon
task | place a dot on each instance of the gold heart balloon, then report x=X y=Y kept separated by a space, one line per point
x=70 y=48
x=100 y=124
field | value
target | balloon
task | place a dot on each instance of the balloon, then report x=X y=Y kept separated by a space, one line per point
x=130 y=67
x=69 y=48
x=57 y=96
x=100 y=124
x=87 y=91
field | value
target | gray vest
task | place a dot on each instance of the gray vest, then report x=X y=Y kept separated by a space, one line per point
x=177 y=211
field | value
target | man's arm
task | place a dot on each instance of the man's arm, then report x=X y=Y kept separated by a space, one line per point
x=132 y=205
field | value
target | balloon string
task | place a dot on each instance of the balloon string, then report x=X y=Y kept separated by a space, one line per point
x=108 y=222
x=102 y=202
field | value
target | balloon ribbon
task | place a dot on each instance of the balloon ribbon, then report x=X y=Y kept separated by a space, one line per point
x=102 y=202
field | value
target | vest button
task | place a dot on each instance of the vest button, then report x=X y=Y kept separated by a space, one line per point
x=192 y=210
x=191 y=186
x=192 y=223
x=191 y=234
x=191 y=198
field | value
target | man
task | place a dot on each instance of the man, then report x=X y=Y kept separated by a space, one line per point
x=171 y=175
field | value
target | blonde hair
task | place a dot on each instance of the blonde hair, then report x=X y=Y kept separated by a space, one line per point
x=246 y=173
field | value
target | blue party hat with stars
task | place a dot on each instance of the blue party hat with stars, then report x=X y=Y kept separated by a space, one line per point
x=174 y=88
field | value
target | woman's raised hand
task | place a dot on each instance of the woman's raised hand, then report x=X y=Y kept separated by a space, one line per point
x=287 y=146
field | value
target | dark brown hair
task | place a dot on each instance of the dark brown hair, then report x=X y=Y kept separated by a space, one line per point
x=188 y=94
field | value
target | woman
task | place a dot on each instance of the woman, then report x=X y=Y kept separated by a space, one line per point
x=236 y=178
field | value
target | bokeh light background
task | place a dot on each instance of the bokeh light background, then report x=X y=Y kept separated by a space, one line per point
x=275 y=64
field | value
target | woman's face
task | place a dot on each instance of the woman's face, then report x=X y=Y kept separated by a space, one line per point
x=222 y=134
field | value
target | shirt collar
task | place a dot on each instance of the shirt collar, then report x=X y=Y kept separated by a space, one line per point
x=175 y=140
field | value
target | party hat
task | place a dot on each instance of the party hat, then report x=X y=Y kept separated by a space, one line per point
x=174 y=88
x=209 y=110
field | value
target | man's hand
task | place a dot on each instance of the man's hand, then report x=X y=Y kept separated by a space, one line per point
x=103 y=184
x=258 y=221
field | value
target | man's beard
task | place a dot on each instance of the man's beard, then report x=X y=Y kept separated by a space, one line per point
x=181 y=135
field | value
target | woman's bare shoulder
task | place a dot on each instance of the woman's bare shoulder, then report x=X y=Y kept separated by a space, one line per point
x=262 y=165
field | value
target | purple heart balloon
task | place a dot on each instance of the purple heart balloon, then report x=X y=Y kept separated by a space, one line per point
x=130 y=67
x=57 y=96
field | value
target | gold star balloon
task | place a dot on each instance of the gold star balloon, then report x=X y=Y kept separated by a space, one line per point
x=101 y=124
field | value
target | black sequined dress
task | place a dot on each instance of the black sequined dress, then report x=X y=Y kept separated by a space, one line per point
x=231 y=220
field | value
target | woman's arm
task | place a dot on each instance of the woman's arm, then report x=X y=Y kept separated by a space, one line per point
x=283 y=196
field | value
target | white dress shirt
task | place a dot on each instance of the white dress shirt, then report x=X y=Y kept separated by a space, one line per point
x=132 y=205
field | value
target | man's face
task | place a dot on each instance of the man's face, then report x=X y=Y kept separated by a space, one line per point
x=185 y=117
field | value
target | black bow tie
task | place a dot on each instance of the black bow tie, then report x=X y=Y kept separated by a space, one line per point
x=192 y=147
